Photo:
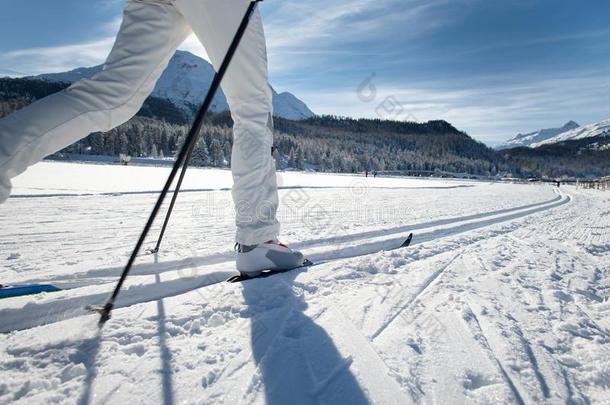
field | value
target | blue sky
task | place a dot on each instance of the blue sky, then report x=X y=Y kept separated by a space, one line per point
x=491 y=68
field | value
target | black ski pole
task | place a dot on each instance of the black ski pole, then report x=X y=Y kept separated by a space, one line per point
x=174 y=197
x=184 y=153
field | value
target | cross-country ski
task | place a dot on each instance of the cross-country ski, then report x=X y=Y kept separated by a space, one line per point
x=308 y=263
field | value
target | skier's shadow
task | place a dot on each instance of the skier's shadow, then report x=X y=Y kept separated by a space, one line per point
x=297 y=360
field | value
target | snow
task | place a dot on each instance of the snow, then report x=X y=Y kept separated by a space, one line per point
x=502 y=297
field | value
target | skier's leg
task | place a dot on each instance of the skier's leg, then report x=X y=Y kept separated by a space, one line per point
x=150 y=32
x=249 y=97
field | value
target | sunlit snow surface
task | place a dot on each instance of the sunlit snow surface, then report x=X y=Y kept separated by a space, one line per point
x=502 y=297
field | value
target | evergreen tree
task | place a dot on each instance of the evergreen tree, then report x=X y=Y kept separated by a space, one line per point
x=216 y=153
x=291 y=158
x=227 y=148
x=200 y=155
x=300 y=159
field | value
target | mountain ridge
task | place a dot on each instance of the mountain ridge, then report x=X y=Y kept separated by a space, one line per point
x=540 y=135
x=597 y=129
x=185 y=83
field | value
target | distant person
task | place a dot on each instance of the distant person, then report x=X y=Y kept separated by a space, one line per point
x=366 y=173
x=150 y=32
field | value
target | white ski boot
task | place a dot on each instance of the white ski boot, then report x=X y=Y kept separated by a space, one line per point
x=271 y=255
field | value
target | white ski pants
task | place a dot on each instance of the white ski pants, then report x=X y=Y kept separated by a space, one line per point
x=150 y=33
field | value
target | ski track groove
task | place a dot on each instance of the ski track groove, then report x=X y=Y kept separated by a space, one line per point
x=429 y=281
x=544 y=388
x=476 y=330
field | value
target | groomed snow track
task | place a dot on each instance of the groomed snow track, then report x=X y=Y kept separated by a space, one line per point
x=182 y=276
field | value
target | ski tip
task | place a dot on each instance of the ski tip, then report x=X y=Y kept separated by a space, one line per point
x=407 y=241
x=234 y=279
x=241 y=277
x=9 y=291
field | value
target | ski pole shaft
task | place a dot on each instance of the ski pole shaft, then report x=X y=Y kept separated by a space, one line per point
x=174 y=197
x=182 y=157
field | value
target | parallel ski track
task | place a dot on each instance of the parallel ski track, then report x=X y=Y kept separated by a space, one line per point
x=204 y=190
x=99 y=276
x=58 y=310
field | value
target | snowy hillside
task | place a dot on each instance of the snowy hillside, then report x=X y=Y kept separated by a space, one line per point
x=589 y=131
x=536 y=136
x=286 y=105
x=503 y=296
x=185 y=83
x=570 y=131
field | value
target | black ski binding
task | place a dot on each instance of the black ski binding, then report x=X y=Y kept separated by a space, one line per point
x=103 y=311
x=265 y=273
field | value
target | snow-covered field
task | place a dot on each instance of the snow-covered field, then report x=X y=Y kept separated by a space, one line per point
x=502 y=297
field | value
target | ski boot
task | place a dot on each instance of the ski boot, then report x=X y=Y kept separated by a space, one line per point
x=271 y=256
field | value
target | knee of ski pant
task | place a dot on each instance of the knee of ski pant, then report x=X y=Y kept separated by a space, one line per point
x=116 y=99
x=251 y=110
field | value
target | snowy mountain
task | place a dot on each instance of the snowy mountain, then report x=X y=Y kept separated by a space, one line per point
x=286 y=105
x=601 y=128
x=582 y=152
x=185 y=83
x=537 y=136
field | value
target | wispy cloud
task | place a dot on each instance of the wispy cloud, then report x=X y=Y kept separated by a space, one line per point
x=542 y=40
x=299 y=31
x=305 y=24
x=58 y=58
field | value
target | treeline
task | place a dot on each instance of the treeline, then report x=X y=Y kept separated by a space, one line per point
x=580 y=158
x=15 y=93
x=323 y=143
x=339 y=144
x=310 y=145
x=346 y=145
